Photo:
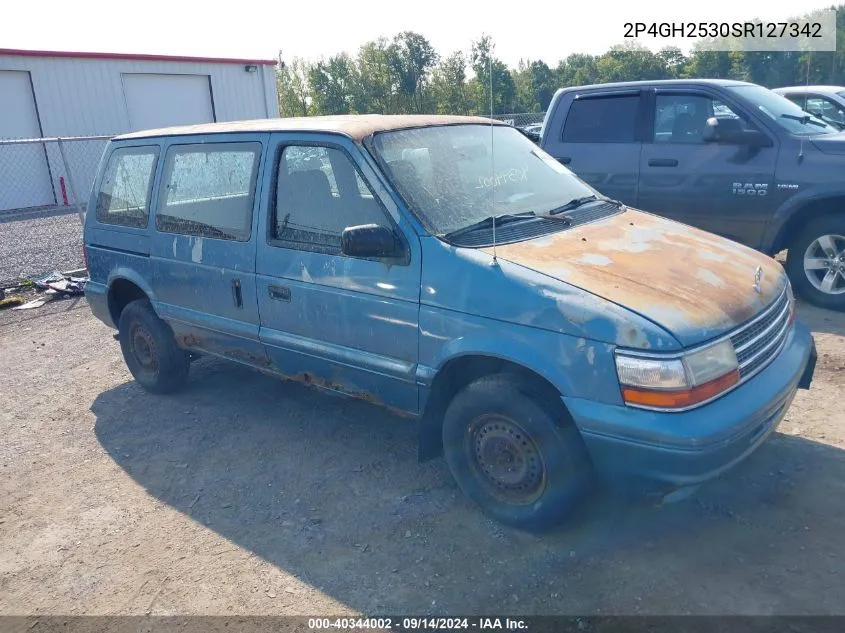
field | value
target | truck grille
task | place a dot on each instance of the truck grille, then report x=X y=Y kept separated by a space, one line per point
x=758 y=342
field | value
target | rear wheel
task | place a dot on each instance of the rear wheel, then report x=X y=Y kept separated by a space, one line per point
x=149 y=348
x=514 y=453
x=816 y=262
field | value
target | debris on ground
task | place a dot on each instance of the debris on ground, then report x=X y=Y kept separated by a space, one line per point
x=55 y=285
x=36 y=303
x=8 y=302
x=61 y=283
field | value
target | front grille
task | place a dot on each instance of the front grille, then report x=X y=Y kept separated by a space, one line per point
x=757 y=343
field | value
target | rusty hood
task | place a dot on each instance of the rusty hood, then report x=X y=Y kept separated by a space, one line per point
x=694 y=284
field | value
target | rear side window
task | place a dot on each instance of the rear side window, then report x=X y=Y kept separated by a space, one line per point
x=208 y=190
x=124 y=196
x=601 y=120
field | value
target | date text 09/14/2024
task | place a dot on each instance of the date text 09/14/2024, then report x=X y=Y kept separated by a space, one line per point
x=419 y=623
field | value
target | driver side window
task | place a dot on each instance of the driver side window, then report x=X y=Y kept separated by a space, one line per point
x=319 y=193
x=682 y=118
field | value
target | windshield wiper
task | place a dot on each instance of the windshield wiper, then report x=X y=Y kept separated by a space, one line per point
x=504 y=218
x=555 y=214
x=804 y=120
x=580 y=202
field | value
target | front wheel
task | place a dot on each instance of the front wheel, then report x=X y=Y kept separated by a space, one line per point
x=515 y=454
x=815 y=262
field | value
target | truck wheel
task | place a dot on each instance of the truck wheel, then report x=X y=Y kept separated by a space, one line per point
x=515 y=454
x=815 y=262
x=149 y=349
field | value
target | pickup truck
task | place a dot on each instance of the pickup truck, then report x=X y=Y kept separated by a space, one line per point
x=729 y=157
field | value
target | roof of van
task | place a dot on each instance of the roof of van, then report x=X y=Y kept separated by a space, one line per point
x=355 y=126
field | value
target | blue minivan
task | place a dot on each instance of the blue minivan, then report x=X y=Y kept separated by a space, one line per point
x=449 y=269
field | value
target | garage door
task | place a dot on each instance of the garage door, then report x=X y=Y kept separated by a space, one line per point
x=24 y=176
x=154 y=101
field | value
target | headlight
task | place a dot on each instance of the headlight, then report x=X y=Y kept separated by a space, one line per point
x=678 y=382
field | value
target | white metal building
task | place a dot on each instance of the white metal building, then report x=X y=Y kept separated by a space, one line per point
x=62 y=94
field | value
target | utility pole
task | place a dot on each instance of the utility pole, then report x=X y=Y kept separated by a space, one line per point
x=281 y=76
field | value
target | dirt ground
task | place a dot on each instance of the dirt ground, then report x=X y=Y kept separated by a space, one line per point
x=246 y=495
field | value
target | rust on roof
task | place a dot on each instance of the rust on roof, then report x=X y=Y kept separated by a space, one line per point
x=355 y=126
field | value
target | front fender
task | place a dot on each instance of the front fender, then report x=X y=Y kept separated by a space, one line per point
x=572 y=365
x=794 y=205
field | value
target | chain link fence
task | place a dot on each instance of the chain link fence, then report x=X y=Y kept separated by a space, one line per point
x=44 y=188
x=521 y=119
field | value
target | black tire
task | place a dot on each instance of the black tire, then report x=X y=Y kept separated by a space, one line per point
x=829 y=225
x=543 y=470
x=150 y=350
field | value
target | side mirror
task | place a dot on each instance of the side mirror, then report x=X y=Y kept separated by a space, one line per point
x=532 y=135
x=368 y=240
x=730 y=132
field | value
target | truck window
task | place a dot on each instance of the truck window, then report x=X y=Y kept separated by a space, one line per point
x=601 y=120
x=124 y=196
x=208 y=190
x=680 y=118
x=319 y=192
x=799 y=100
x=826 y=110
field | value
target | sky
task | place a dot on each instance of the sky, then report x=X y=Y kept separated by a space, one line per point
x=319 y=28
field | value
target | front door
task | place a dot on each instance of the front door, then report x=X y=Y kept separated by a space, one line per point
x=203 y=250
x=721 y=188
x=344 y=323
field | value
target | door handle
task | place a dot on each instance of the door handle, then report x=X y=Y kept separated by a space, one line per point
x=279 y=293
x=565 y=160
x=237 y=295
x=663 y=162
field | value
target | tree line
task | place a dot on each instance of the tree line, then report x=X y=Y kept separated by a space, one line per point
x=406 y=74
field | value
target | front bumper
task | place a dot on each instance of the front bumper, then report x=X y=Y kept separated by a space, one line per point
x=693 y=446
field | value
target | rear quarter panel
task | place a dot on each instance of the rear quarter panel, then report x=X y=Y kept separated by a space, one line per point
x=115 y=251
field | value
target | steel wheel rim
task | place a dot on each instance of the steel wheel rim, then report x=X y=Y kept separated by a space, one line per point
x=143 y=348
x=824 y=264
x=505 y=459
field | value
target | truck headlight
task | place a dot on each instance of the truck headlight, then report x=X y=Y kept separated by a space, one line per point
x=677 y=382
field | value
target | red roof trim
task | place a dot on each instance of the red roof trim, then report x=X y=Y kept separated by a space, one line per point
x=136 y=56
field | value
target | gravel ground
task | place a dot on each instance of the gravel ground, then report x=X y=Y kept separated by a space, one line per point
x=37 y=243
x=247 y=495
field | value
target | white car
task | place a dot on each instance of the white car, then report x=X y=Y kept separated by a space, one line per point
x=824 y=102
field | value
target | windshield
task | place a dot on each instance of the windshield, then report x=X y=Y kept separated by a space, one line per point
x=458 y=175
x=783 y=111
